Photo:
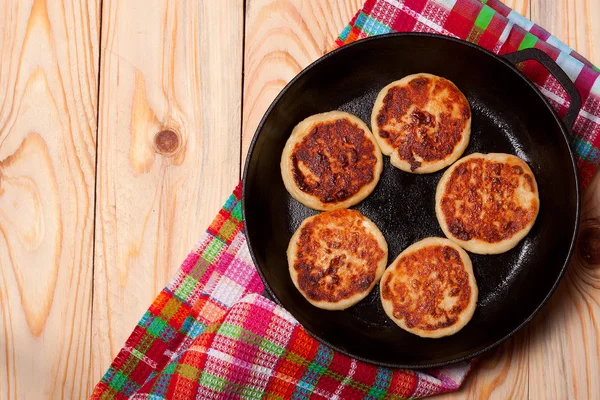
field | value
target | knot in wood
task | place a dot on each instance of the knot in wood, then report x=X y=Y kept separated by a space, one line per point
x=589 y=245
x=166 y=142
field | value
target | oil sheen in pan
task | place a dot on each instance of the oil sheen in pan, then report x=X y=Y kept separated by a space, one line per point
x=403 y=207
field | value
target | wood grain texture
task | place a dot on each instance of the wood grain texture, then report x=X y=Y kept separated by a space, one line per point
x=282 y=38
x=564 y=359
x=523 y=7
x=173 y=67
x=48 y=93
x=565 y=338
x=575 y=22
x=500 y=374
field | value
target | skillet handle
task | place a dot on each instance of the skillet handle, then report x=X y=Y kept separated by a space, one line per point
x=558 y=73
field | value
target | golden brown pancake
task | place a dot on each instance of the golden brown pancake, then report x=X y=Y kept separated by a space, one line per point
x=487 y=203
x=430 y=289
x=423 y=122
x=331 y=161
x=336 y=258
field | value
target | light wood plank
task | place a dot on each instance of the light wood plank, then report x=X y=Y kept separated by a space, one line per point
x=575 y=22
x=523 y=7
x=169 y=66
x=565 y=346
x=282 y=38
x=500 y=374
x=565 y=337
x=48 y=89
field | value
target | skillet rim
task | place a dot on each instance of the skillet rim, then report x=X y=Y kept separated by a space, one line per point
x=573 y=170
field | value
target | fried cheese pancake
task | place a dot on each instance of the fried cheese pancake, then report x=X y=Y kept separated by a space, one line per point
x=430 y=289
x=335 y=258
x=487 y=203
x=423 y=122
x=331 y=161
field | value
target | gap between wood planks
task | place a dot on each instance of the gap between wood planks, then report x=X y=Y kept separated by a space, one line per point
x=242 y=91
x=91 y=369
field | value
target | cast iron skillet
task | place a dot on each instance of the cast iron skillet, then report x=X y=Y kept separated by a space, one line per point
x=509 y=115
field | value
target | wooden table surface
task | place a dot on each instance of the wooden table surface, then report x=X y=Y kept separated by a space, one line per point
x=98 y=207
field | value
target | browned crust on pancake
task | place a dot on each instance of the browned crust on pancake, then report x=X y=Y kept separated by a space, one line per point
x=421 y=281
x=325 y=275
x=339 y=158
x=414 y=133
x=328 y=157
x=430 y=290
x=481 y=201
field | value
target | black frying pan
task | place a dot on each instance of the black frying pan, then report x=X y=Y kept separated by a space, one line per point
x=509 y=115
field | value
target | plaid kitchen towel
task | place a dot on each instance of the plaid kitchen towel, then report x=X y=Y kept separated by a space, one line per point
x=210 y=335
